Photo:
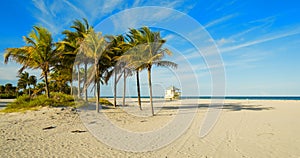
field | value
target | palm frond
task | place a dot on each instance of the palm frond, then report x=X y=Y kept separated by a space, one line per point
x=165 y=63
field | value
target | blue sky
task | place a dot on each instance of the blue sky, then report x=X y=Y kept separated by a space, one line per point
x=259 y=41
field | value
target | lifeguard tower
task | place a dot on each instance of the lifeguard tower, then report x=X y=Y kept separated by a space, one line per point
x=172 y=93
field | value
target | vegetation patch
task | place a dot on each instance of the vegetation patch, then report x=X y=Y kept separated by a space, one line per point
x=25 y=102
x=102 y=101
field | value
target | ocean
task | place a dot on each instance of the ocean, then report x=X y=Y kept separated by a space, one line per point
x=3 y=104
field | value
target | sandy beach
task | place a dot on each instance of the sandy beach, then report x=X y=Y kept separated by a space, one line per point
x=245 y=128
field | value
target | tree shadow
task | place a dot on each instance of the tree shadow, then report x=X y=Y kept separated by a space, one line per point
x=231 y=107
x=92 y=106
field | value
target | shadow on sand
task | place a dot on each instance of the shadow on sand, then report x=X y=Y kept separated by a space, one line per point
x=231 y=107
x=228 y=107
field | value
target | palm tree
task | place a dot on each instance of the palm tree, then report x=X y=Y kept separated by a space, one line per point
x=37 y=54
x=70 y=46
x=32 y=81
x=26 y=81
x=8 y=88
x=82 y=30
x=126 y=72
x=60 y=78
x=39 y=88
x=117 y=47
x=151 y=49
x=95 y=46
x=2 y=89
x=135 y=38
x=23 y=81
x=129 y=62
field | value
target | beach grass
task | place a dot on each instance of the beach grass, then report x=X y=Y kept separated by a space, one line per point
x=102 y=101
x=25 y=102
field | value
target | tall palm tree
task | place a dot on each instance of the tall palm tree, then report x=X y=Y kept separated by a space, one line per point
x=82 y=30
x=66 y=60
x=151 y=49
x=129 y=62
x=134 y=37
x=117 y=47
x=126 y=72
x=95 y=46
x=70 y=45
x=37 y=54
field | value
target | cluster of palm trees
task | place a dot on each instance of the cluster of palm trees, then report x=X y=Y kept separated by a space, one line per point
x=26 y=80
x=8 y=91
x=90 y=57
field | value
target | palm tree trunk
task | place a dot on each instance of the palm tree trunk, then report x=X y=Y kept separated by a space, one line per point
x=124 y=88
x=28 y=90
x=71 y=83
x=78 y=76
x=71 y=87
x=85 y=78
x=150 y=90
x=138 y=88
x=47 y=84
x=97 y=88
x=115 y=89
x=97 y=96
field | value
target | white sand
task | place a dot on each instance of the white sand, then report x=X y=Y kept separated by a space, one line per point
x=244 y=129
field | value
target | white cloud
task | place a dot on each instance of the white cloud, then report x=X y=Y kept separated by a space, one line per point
x=9 y=72
x=110 y=5
x=169 y=37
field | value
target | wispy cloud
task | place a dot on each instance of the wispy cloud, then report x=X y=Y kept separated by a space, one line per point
x=255 y=25
x=57 y=15
x=78 y=10
x=234 y=38
x=261 y=40
x=226 y=5
x=111 y=5
x=220 y=20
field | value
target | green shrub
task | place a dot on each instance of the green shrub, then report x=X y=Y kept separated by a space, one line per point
x=105 y=101
x=57 y=99
x=102 y=101
x=61 y=99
